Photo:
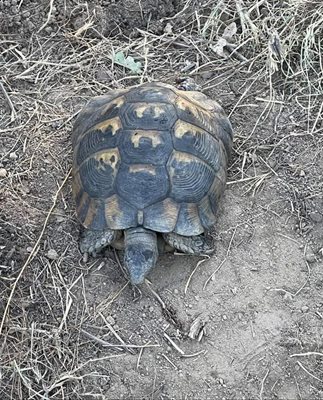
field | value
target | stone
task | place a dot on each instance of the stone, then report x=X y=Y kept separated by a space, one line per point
x=52 y=254
x=3 y=172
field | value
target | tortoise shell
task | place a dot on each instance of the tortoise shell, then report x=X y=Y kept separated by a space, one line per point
x=150 y=156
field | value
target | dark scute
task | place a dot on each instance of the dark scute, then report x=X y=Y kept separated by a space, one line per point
x=93 y=116
x=98 y=221
x=97 y=178
x=120 y=214
x=188 y=116
x=142 y=188
x=149 y=120
x=95 y=141
x=203 y=145
x=161 y=217
x=151 y=93
x=217 y=190
x=188 y=222
x=206 y=213
x=225 y=133
x=82 y=213
x=146 y=152
x=190 y=180
x=217 y=125
x=78 y=195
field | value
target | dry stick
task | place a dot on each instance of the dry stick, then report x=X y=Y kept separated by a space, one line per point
x=181 y=352
x=51 y=3
x=114 y=333
x=262 y=384
x=247 y=179
x=308 y=372
x=171 y=363
x=310 y=353
x=12 y=108
x=33 y=252
x=174 y=344
x=101 y=341
x=139 y=357
x=213 y=273
x=193 y=272
x=159 y=299
x=117 y=346
x=194 y=354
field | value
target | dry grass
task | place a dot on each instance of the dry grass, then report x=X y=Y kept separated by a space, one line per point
x=272 y=63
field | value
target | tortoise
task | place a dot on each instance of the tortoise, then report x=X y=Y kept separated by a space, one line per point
x=149 y=167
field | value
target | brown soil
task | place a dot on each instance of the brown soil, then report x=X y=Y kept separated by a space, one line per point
x=66 y=326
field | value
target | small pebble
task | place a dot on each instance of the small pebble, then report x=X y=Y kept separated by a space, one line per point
x=151 y=309
x=110 y=320
x=52 y=254
x=175 y=291
x=207 y=75
x=288 y=297
x=316 y=216
x=224 y=317
x=13 y=156
x=168 y=28
x=29 y=249
x=304 y=309
x=3 y=172
x=272 y=163
x=310 y=256
x=234 y=290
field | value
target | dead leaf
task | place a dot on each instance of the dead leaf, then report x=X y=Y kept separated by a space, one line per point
x=128 y=62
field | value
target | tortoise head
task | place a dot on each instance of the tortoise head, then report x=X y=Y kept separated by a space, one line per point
x=141 y=253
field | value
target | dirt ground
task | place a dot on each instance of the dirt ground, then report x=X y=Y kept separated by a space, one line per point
x=71 y=330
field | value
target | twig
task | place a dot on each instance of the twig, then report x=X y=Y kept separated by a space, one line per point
x=308 y=372
x=12 y=108
x=262 y=384
x=310 y=353
x=213 y=273
x=139 y=357
x=117 y=346
x=163 y=305
x=194 y=354
x=33 y=252
x=101 y=341
x=167 y=359
x=114 y=333
x=174 y=344
x=51 y=3
x=257 y=177
x=193 y=272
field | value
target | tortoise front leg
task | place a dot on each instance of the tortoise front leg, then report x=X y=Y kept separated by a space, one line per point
x=197 y=245
x=92 y=242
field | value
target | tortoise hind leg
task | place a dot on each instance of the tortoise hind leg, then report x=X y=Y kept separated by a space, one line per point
x=94 y=241
x=197 y=245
